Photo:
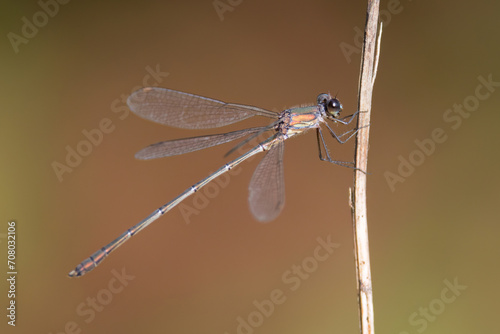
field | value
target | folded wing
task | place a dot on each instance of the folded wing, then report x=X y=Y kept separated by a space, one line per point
x=188 y=111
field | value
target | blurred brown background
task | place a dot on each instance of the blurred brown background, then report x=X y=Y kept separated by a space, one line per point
x=205 y=274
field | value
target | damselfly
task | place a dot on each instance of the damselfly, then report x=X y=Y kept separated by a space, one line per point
x=188 y=111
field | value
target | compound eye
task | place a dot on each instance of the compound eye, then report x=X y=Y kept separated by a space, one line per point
x=323 y=98
x=334 y=107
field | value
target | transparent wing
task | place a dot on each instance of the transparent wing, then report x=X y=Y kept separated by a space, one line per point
x=188 y=111
x=267 y=187
x=186 y=145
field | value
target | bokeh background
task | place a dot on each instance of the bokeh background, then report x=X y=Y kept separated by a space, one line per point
x=204 y=273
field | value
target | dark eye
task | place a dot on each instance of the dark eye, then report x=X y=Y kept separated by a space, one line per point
x=334 y=107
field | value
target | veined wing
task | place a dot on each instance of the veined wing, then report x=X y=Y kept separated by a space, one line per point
x=188 y=111
x=267 y=187
x=186 y=145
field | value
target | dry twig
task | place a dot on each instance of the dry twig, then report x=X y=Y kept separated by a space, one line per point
x=358 y=201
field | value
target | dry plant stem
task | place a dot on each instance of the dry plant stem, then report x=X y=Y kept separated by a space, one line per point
x=358 y=202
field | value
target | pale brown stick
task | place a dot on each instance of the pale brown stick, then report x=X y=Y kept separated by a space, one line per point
x=358 y=200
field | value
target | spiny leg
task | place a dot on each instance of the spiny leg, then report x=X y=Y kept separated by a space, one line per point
x=338 y=138
x=320 y=138
x=351 y=117
x=321 y=141
x=348 y=164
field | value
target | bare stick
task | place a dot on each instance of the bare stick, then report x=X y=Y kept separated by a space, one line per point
x=358 y=198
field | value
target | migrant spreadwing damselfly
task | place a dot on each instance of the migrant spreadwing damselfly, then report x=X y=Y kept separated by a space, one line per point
x=188 y=111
